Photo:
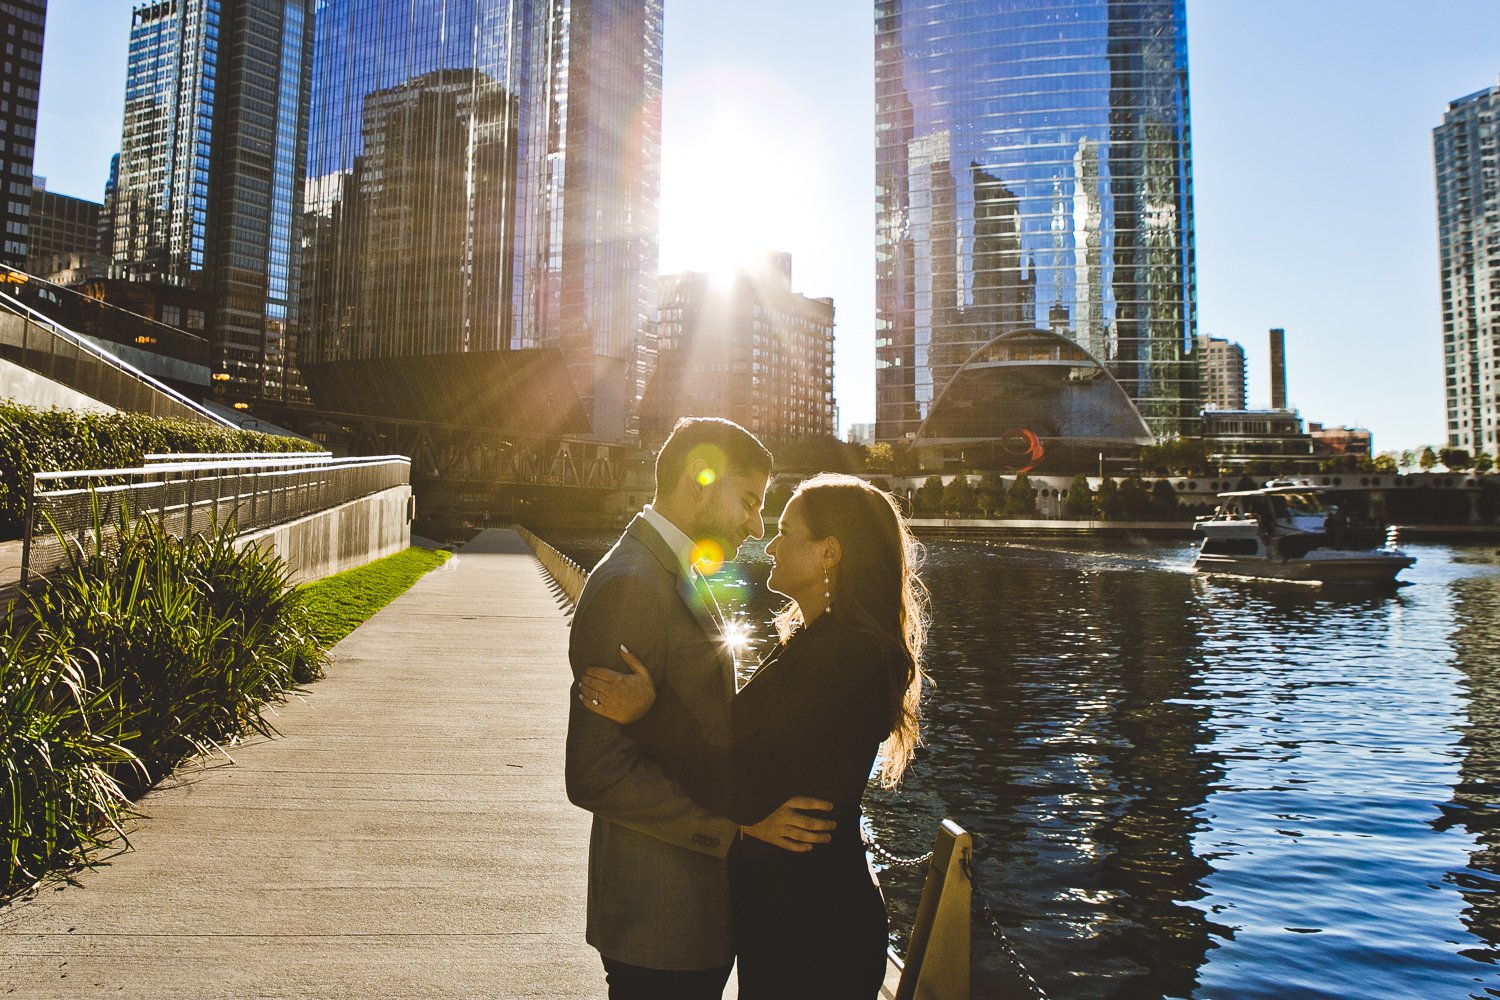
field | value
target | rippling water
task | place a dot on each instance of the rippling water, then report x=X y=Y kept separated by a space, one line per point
x=1182 y=787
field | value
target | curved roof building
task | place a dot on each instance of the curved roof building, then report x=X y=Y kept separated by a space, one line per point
x=1034 y=169
x=1032 y=398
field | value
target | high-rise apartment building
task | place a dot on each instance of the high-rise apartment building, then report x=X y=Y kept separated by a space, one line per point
x=22 y=24
x=744 y=347
x=1466 y=148
x=1221 y=365
x=208 y=191
x=483 y=177
x=1034 y=169
x=64 y=231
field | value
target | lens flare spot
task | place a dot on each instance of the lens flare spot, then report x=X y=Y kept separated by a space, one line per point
x=708 y=556
x=706 y=477
x=737 y=635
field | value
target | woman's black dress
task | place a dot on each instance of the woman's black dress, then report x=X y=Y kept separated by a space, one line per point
x=809 y=723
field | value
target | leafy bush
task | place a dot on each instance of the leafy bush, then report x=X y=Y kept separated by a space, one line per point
x=146 y=650
x=33 y=440
x=191 y=636
x=1020 y=499
x=929 y=498
x=59 y=744
x=958 y=498
x=1079 y=505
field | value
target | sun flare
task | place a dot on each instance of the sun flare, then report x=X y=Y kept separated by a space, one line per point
x=740 y=179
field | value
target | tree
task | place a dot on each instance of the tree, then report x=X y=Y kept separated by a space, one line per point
x=990 y=494
x=1386 y=461
x=1020 y=499
x=1079 y=504
x=929 y=499
x=880 y=457
x=1427 y=459
x=1408 y=459
x=1178 y=455
x=1134 y=500
x=1456 y=459
x=824 y=453
x=1108 y=500
x=958 y=497
x=1483 y=462
x=1163 y=501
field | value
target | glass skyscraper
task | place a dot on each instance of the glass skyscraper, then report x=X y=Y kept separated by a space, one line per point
x=1033 y=169
x=483 y=176
x=207 y=193
x=1466 y=147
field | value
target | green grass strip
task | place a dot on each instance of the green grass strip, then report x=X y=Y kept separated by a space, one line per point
x=339 y=604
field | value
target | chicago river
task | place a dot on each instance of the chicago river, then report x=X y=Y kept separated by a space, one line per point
x=1187 y=787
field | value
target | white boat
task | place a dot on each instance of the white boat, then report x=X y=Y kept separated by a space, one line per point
x=1284 y=532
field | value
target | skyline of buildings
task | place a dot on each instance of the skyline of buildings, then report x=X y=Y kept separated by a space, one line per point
x=1012 y=285
x=1465 y=150
x=1033 y=169
x=743 y=346
x=484 y=177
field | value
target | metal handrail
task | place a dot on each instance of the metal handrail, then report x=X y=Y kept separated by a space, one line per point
x=189 y=498
x=280 y=459
x=228 y=456
x=99 y=355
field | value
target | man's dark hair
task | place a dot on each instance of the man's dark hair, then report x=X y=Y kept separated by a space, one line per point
x=724 y=444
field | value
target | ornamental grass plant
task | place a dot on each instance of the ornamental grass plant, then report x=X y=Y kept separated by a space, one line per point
x=60 y=743
x=145 y=650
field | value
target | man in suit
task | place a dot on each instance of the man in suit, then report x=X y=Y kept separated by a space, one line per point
x=658 y=896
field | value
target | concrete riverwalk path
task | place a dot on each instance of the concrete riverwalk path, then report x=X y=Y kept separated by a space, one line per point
x=407 y=835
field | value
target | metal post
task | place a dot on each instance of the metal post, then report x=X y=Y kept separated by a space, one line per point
x=30 y=528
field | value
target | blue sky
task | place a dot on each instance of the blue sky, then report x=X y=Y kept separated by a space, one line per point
x=1312 y=171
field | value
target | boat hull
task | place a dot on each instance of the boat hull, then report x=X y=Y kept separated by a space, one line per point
x=1362 y=568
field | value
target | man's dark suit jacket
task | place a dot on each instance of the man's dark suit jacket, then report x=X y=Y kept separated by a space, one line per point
x=658 y=892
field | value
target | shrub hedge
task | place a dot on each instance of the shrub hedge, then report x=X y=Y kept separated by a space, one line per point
x=33 y=440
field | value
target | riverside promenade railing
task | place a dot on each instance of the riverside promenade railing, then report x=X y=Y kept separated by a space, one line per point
x=44 y=346
x=569 y=575
x=192 y=495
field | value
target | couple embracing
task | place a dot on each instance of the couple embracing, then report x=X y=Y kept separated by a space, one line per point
x=727 y=821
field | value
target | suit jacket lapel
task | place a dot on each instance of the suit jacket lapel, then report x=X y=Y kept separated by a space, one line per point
x=704 y=608
x=641 y=530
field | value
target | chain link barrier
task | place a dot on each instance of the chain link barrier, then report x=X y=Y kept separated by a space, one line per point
x=1011 y=958
x=1017 y=968
x=880 y=852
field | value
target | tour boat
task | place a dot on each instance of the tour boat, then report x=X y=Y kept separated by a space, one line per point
x=1284 y=532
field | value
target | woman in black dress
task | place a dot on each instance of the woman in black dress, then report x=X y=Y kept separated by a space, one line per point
x=840 y=688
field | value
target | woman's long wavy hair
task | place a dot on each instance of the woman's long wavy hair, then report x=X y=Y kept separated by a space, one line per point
x=876 y=590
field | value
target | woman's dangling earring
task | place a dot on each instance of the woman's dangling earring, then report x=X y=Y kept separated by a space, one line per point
x=827 y=593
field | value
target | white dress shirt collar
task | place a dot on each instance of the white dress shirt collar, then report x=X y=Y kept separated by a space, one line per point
x=676 y=539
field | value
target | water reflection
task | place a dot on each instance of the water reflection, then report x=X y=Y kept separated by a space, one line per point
x=1186 y=787
x=1067 y=735
x=1476 y=795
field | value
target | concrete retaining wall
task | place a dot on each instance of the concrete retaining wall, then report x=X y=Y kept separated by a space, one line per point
x=26 y=388
x=335 y=540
